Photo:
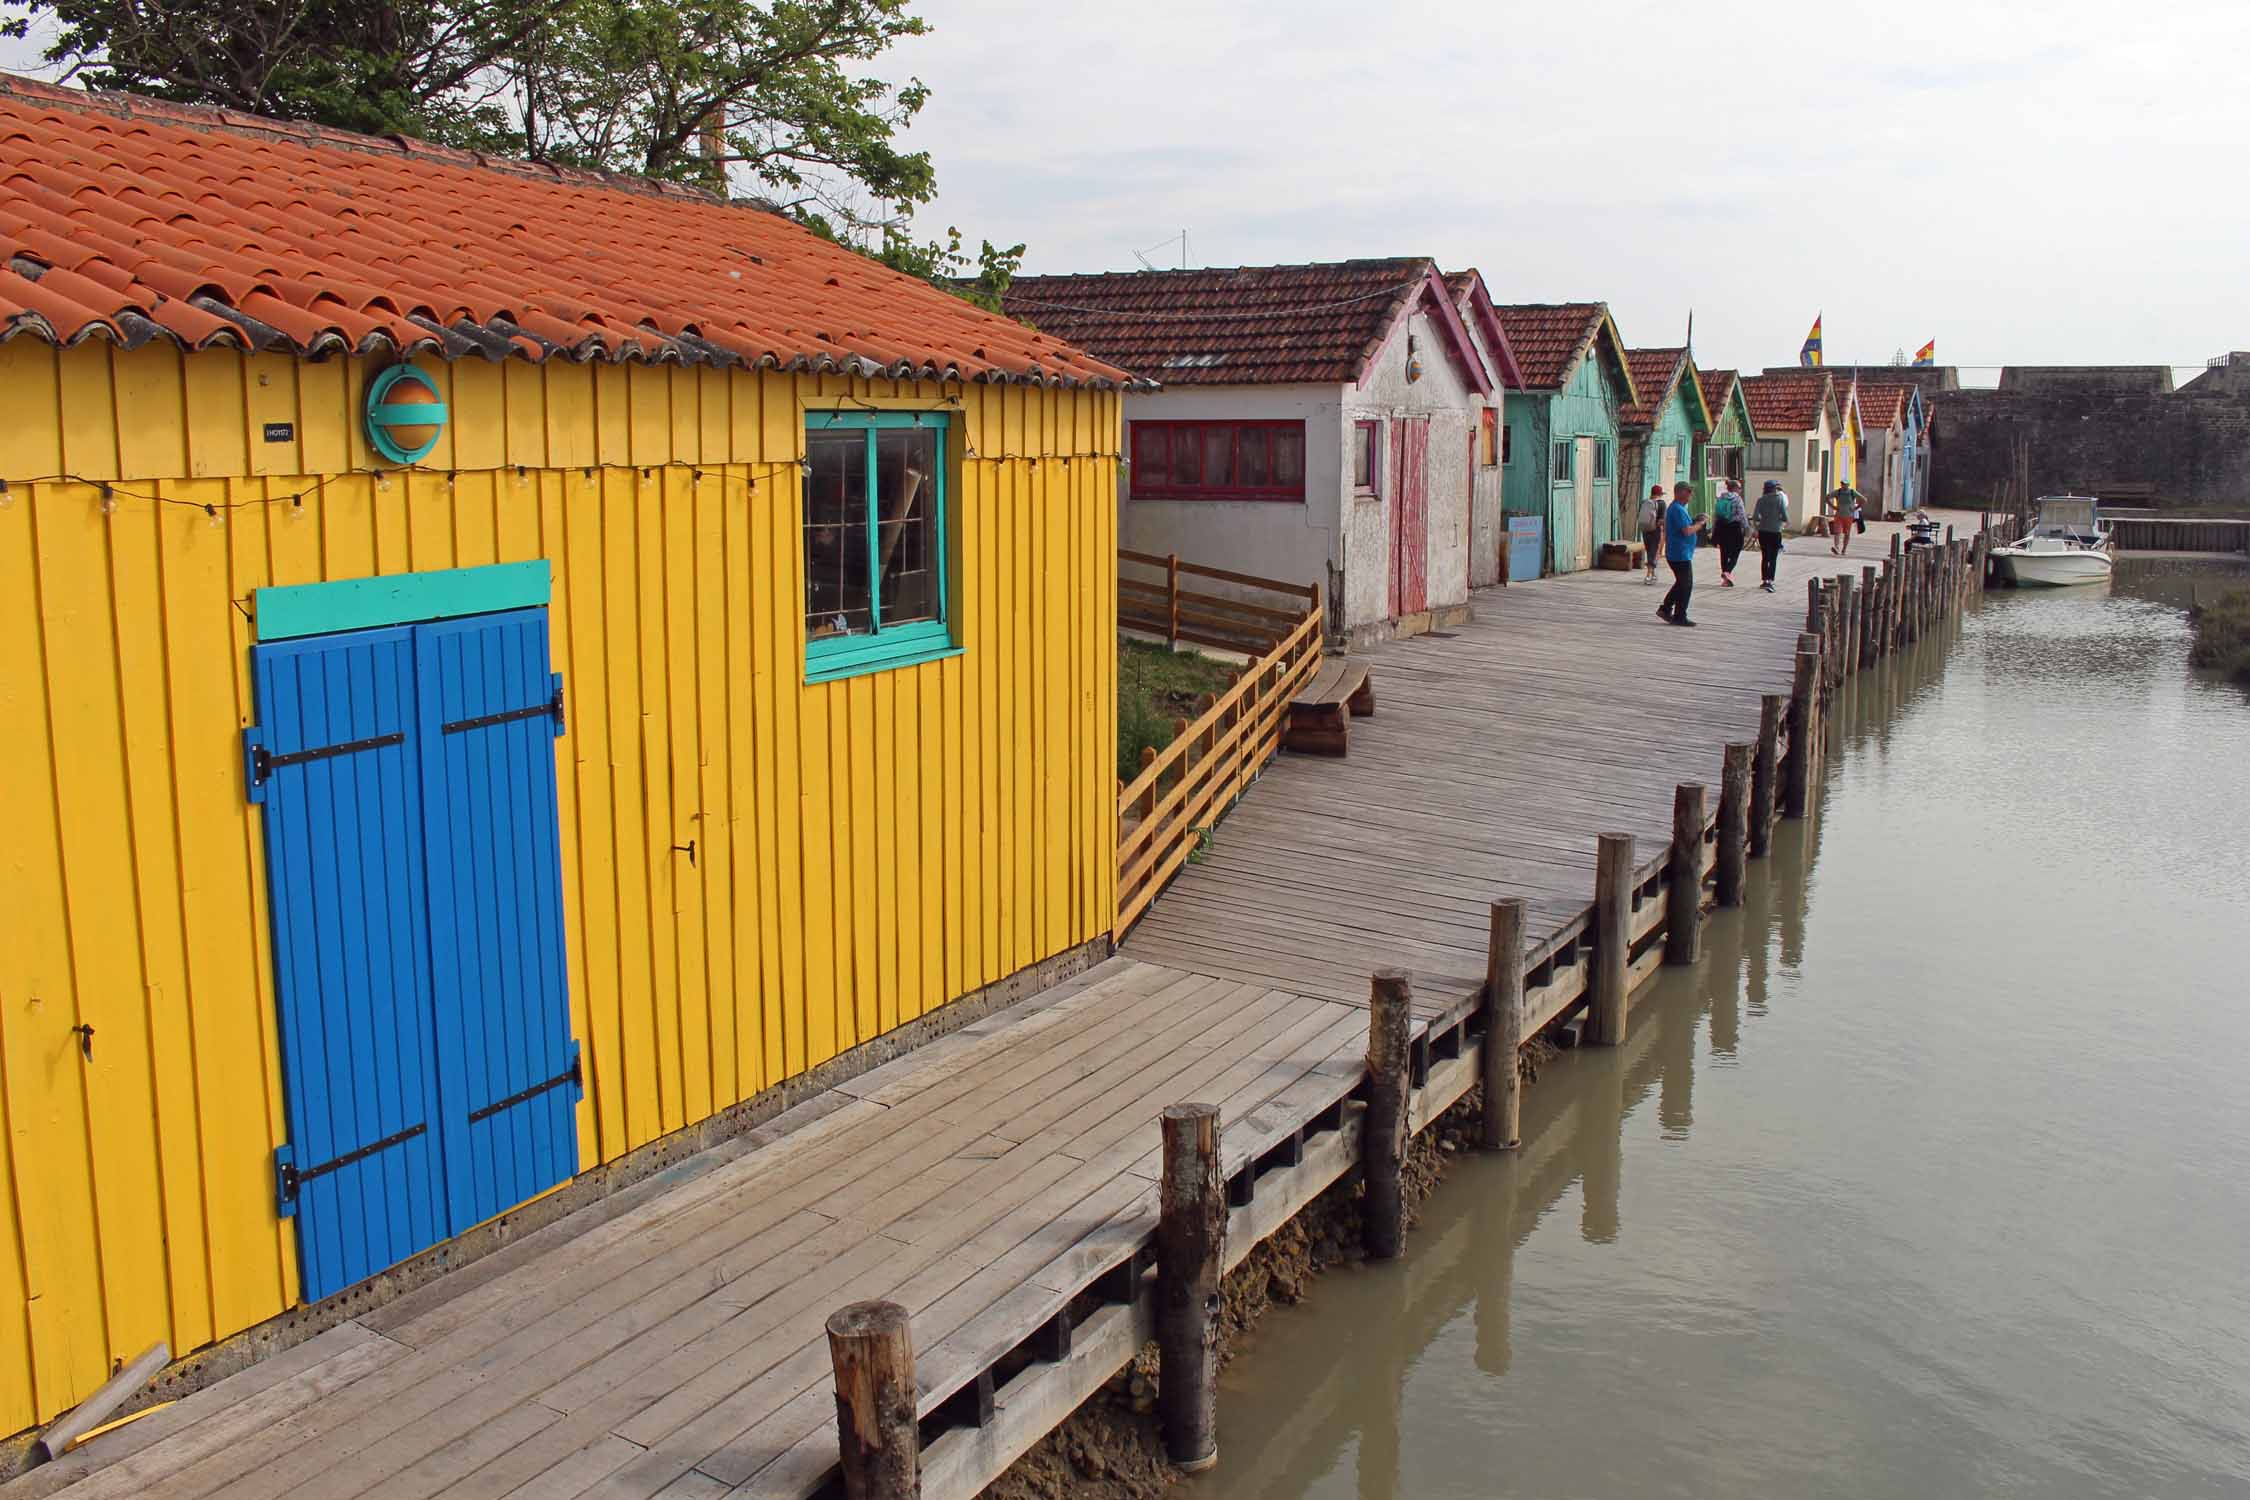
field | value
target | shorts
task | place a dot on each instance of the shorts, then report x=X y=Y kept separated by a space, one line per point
x=1839 y=525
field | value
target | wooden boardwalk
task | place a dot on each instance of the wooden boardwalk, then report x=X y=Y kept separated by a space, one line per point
x=1000 y=1182
x=1497 y=753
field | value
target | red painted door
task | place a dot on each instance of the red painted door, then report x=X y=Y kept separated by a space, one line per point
x=1410 y=516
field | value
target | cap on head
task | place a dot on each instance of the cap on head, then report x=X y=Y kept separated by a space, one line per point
x=1773 y=484
x=1682 y=490
x=1655 y=491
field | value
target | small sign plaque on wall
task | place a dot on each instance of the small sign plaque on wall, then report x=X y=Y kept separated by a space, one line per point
x=281 y=432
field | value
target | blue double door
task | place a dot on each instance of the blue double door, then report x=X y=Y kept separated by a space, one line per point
x=407 y=775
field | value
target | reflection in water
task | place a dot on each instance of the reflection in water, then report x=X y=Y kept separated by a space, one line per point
x=1957 y=1203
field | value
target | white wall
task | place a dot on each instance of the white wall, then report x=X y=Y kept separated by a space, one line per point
x=1802 y=484
x=1444 y=396
x=1271 y=538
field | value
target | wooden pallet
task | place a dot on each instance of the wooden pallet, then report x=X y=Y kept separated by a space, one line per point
x=1320 y=716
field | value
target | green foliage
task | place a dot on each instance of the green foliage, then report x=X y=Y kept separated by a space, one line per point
x=2222 y=635
x=1155 y=687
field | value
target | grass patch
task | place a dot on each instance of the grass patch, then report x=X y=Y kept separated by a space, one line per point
x=2222 y=635
x=1154 y=687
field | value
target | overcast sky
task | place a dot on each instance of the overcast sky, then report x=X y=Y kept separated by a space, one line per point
x=2058 y=182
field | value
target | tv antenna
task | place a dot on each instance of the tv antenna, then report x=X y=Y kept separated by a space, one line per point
x=1149 y=265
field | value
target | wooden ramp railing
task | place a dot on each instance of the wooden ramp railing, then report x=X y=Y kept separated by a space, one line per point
x=1185 y=788
x=1203 y=617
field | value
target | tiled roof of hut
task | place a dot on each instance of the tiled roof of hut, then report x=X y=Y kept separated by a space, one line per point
x=1881 y=405
x=1551 y=337
x=130 y=219
x=1786 y=400
x=1473 y=299
x=1654 y=370
x=1242 y=325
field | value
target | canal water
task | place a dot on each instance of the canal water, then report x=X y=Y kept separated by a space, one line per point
x=1933 y=1179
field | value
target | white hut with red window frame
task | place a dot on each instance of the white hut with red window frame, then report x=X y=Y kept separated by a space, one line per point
x=1316 y=424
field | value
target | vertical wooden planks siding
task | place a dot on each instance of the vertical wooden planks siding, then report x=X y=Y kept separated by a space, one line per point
x=867 y=849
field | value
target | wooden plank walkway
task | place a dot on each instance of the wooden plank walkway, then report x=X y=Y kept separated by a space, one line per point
x=672 y=1344
x=1499 y=751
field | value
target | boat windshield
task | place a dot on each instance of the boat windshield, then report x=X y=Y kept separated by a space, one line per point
x=2066 y=512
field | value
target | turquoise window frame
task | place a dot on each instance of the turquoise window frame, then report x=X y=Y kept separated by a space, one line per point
x=887 y=649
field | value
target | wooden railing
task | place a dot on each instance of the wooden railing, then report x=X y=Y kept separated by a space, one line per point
x=1165 y=813
x=2169 y=534
x=1201 y=616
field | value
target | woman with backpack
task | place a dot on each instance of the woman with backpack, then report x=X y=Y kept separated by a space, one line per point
x=1728 y=530
x=1651 y=521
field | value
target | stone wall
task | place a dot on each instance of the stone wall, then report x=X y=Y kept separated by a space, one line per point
x=2186 y=447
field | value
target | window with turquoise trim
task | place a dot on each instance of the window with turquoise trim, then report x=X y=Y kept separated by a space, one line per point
x=876 y=590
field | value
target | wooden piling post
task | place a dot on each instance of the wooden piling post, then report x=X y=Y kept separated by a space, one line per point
x=1613 y=939
x=1796 y=779
x=1734 y=822
x=1683 y=918
x=878 y=1434
x=1390 y=1025
x=1867 y=617
x=1191 y=1240
x=1847 y=620
x=1503 y=1027
x=1773 y=710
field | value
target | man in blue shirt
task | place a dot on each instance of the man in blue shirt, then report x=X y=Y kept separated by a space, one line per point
x=1680 y=528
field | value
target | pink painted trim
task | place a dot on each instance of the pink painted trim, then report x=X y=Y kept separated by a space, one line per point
x=1432 y=294
x=1510 y=374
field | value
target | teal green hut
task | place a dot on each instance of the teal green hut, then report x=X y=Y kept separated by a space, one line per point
x=1658 y=433
x=1561 y=451
x=1722 y=448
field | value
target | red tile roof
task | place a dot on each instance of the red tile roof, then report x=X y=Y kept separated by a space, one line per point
x=1716 y=386
x=1786 y=400
x=131 y=219
x=1654 y=370
x=1882 y=405
x=1243 y=325
x=1551 y=337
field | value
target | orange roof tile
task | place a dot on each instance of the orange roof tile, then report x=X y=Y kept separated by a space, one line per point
x=1716 y=384
x=1882 y=405
x=1550 y=337
x=1786 y=400
x=132 y=219
x=1654 y=370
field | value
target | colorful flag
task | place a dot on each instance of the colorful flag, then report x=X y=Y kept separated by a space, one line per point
x=1927 y=354
x=1809 y=356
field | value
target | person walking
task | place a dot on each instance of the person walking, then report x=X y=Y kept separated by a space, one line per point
x=1652 y=530
x=1727 y=530
x=1680 y=528
x=1771 y=517
x=1843 y=515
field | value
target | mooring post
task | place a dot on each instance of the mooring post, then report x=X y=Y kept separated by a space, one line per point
x=878 y=1434
x=1191 y=1241
x=1734 y=822
x=1847 y=621
x=1683 y=896
x=1867 y=617
x=1382 y=1155
x=1613 y=939
x=1773 y=710
x=1797 y=768
x=1503 y=1027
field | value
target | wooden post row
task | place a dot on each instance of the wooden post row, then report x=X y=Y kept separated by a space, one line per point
x=1383 y=1143
x=878 y=1434
x=1503 y=1027
x=1613 y=938
x=1734 y=823
x=1683 y=896
x=1191 y=1239
x=1797 y=768
x=1867 y=617
x=1773 y=711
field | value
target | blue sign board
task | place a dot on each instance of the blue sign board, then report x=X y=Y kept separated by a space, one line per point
x=1527 y=539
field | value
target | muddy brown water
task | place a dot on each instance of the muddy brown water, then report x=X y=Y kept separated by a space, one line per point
x=1933 y=1179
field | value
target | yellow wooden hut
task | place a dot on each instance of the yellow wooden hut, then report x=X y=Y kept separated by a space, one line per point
x=504 y=670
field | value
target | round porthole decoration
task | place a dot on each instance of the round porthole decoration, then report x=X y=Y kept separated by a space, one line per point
x=405 y=414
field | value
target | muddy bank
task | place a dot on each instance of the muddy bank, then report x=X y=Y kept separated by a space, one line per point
x=1110 y=1448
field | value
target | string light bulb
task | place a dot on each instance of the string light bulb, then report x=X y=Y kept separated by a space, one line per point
x=382 y=481
x=109 y=501
x=297 y=506
x=7 y=496
x=218 y=517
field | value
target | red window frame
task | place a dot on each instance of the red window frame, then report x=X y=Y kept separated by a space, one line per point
x=1147 y=463
x=1371 y=430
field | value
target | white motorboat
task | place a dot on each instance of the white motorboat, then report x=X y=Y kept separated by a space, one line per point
x=2068 y=543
